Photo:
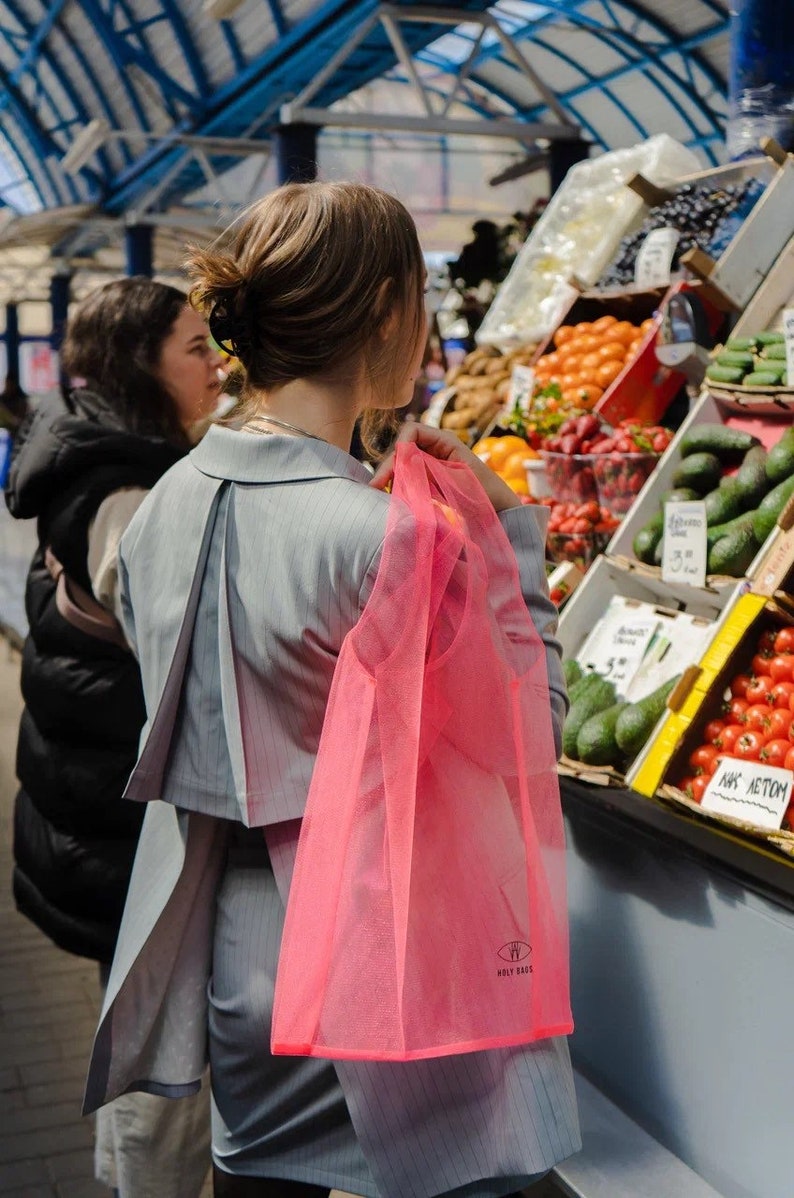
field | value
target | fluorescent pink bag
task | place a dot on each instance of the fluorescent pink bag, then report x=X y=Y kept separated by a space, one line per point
x=427 y=911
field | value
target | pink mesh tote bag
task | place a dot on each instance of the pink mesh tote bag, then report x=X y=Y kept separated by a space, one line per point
x=427 y=910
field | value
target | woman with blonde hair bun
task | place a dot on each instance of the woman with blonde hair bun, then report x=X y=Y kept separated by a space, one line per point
x=242 y=574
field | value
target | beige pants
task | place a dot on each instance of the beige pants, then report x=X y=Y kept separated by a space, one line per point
x=150 y=1147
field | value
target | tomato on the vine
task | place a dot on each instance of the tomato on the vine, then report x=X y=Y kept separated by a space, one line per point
x=749 y=745
x=739 y=685
x=782 y=694
x=784 y=641
x=713 y=730
x=758 y=717
x=775 y=752
x=703 y=760
x=781 y=667
x=760 y=690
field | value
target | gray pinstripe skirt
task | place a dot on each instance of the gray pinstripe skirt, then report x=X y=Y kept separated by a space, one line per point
x=340 y=1124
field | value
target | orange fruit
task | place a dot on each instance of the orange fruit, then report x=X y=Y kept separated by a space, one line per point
x=514 y=466
x=584 y=326
x=570 y=380
x=519 y=485
x=564 y=333
x=583 y=396
x=569 y=355
x=587 y=342
x=635 y=347
x=603 y=323
x=647 y=325
x=484 y=446
x=590 y=360
x=623 y=331
x=607 y=373
x=589 y=376
x=504 y=447
x=612 y=349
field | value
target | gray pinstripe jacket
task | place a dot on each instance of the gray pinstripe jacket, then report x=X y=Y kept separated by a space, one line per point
x=241 y=574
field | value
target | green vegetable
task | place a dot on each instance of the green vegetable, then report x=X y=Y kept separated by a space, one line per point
x=679 y=495
x=724 y=503
x=723 y=530
x=658 y=553
x=763 y=378
x=770 y=338
x=596 y=744
x=648 y=538
x=599 y=696
x=729 y=444
x=725 y=374
x=751 y=480
x=733 y=554
x=583 y=685
x=741 y=344
x=740 y=360
x=572 y=671
x=780 y=459
x=699 y=471
x=637 y=721
x=776 y=352
x=770 y=507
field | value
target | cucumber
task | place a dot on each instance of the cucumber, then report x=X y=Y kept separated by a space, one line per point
x=763 y=378
x=723 y=530
x=729 y=444
x=751 y=480
x=776 y=352
x=597 y=697
x=699 y=471
x=571 y=671
x=780 y=459
x=724 y=503
x=725 y=374
x=680 y=495
x=744 y=361
x=638 y=720
x=596 y=744
x=770 y=507
x=733 y=554
x=741 y=344
x=770 y=338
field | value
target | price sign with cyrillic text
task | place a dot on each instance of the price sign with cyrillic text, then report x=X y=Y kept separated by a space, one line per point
x=788 y=333
x=654 y=264
x=750 y=791
x=522 y=385
x=685 y=549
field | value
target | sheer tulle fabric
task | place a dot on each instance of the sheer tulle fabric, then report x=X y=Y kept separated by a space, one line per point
x=427 y=911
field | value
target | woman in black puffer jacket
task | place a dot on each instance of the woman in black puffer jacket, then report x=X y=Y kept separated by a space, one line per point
x=82 y=465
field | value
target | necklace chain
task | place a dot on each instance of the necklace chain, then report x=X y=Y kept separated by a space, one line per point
x=293 y=428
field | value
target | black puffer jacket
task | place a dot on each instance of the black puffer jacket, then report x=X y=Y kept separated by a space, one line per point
x=74 y=837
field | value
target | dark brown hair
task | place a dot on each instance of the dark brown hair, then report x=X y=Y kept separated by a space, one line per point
x=312 y=273
x=113 y=341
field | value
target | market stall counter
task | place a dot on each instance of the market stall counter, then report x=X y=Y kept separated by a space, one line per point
x=682 y=949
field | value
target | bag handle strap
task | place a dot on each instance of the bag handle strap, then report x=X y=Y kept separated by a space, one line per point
x=80 y=609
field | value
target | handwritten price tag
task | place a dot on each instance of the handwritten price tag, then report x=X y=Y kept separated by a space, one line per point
x=747 y=790
x=788 y=333
x=522 y=384
x=685 y=551
x=616 y=648
x=654 y=264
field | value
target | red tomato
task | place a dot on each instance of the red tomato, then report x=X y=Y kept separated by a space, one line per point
x=703 y=760
x=781 y=667
x=739 y=685
x=749 y=746
x=766 y=643
x=788 y=764
x=736 y=710
x=780 y=723
x=784 y=641
x=782 y=694
x=775 y=752
x=685 y=784
x=760 y=665
x=698 y=787
x=760 y=690
x=758 y=717
x=788 y=818
x=713 y=730
x=729 y=736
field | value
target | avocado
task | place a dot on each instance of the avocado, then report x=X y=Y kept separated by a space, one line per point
x=597 y=697
x=648 y=538
x=658 y=552
x=728 y=444
x=638 y=720
x=770 y=507
x=751 y=479
x=596 y=744
x=723 y=530
x=780 y=459
x=572 y=671
x=679 y=495
x=701 y=471
x=733 y=554
x=724 y=503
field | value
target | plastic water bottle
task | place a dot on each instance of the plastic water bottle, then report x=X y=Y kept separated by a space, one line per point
x=5 y=455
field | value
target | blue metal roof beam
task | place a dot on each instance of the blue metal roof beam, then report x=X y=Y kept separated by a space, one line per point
x=143 y=54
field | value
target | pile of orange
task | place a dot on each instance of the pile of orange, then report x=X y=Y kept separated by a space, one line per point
x=506 y=456
x=588 y=357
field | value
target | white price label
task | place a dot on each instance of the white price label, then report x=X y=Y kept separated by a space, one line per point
x=654 y=264
x=618 y=651
x=750 y=791
x=788 y=332
x=522 y=384
x=685 y=550
x=436 y=408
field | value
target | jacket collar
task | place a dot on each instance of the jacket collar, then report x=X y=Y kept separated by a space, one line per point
x=249 y=458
